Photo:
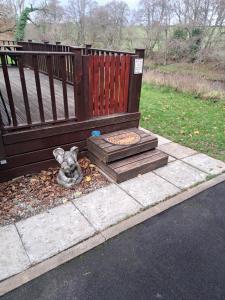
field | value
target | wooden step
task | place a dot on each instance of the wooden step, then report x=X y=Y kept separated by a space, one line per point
x=108 y=152
x=130 y=167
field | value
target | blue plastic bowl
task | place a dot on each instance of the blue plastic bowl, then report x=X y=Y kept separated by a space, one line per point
x=95 y=133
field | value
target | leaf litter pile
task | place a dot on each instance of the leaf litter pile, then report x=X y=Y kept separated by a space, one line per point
x=32 y=194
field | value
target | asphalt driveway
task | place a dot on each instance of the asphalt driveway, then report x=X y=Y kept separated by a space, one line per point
x=179 y=254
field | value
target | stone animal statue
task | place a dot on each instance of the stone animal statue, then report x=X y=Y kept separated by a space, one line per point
x=70 y=171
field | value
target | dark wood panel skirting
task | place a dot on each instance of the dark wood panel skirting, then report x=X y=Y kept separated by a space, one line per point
x=28 y=152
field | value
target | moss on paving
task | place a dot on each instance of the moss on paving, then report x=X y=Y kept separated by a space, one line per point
x=185 y=119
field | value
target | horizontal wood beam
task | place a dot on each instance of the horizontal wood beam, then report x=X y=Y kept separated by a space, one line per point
x=37 y=133
x=19 y=53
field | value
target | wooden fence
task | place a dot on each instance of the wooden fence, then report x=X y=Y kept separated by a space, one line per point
x=108 y=83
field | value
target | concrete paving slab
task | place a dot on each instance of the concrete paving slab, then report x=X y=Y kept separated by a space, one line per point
x=107 y=206
x=181 y=174
x=47 y=234
x=13 y=258
x=177 y=150
x=149 y=189
x=206 y=163
x=171 y=158
x=162 y=140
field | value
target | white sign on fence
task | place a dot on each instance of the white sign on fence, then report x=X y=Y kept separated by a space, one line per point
x=138 y=66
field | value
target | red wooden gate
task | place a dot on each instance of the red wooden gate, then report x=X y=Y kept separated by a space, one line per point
x=108 y=84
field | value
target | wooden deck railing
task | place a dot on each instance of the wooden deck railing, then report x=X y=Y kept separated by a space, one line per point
x=102 y=80
x=56 y=61
x=36 y=59
x=7 y=42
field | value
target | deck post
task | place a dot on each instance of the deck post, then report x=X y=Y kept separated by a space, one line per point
x=87 y=47
x=135 y=81
x=80 y=85
x=86 y=91
x=140 y=52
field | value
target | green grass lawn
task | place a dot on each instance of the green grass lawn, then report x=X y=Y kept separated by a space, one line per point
x=185 y=119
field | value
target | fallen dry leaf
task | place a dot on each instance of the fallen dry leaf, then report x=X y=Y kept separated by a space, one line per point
x=87 y=178
x=32 y=194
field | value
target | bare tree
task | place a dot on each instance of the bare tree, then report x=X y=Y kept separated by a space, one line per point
x=106 y=24
x=48 y=20
x=208 y=16
x=78 y=12
x=7 y=16
x=10 y=11
x=118 y=12
x=154 y=15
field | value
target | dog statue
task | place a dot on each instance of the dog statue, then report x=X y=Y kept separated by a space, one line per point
x=70 y=171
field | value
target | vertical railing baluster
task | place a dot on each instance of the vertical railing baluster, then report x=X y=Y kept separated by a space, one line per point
x=1 y=121
x=24 y=89
x=9 y=90
x=51 y=85
x=64 y=87
x=38 y=87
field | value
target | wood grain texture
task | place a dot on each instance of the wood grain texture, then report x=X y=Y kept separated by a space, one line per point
x=109 y=83
x=2 y=148
x=38 y=92
x=31 y=150
x=132 y=166
x=107 y=152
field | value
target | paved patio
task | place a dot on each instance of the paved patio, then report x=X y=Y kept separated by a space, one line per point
x=35 y=239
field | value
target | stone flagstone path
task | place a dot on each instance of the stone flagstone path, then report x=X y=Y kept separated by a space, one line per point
x=37 y=238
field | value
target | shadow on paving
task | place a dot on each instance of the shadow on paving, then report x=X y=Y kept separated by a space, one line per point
x=178 y=254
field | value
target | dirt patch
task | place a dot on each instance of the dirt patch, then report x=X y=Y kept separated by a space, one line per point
x=29 y=195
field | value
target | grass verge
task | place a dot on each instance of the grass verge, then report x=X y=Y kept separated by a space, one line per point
x=207 y=71
x=185 y=119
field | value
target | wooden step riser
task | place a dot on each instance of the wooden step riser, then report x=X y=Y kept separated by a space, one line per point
x=107 y=152
x=142 y=170
x=122 y=153
x=131 y=170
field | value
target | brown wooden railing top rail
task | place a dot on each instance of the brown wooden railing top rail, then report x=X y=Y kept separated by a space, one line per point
x=50 y=44
x=7 y=42
x=19 y=53
x=58 y=46
x=41 y=46
x=94 y=51
x=42 y=65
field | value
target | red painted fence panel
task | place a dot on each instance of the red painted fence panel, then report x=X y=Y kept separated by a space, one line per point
x=108 y=84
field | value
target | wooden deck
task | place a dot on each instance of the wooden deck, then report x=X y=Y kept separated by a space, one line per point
x=32 y=96
x=59 y=94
